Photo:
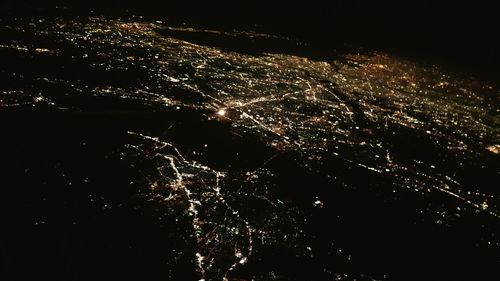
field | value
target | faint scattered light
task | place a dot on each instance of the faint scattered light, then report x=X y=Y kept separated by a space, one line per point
x=318 y=204
x=484 y=206
x=42 y=50
x=38 y=99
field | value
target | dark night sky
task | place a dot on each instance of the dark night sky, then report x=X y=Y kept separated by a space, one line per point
x=458 y=34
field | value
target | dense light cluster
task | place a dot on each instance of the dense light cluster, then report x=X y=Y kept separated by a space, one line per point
x=342 y=109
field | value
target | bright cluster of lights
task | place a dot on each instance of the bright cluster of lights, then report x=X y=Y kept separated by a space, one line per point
x=320 y=109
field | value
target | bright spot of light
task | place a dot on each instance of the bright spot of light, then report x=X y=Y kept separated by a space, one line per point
x=221 y=112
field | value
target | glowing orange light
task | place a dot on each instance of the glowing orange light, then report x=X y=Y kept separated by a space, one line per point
x=221 y=112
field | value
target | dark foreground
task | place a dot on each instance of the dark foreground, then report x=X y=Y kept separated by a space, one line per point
x=131 y=150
